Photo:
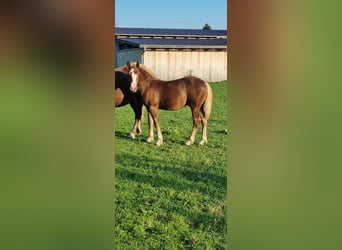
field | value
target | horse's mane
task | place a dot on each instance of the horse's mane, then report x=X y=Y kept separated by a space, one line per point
x=147 y=70
x=153 y=75
x=124 y=69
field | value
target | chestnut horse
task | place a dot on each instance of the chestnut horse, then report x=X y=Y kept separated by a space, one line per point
x=172 y=95
x=124 y=96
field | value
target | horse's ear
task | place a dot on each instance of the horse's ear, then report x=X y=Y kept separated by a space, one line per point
x=128 y=64
x=137 y=64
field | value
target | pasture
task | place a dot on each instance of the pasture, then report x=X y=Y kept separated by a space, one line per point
x=173 y=196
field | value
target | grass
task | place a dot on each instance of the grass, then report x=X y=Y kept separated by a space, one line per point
x=173 y=196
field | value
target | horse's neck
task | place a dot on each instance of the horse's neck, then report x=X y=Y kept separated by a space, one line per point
x=146 y=82
x=149 y=78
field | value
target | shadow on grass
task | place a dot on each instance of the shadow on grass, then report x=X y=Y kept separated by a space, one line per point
x=162 y=174
x=157 y=175
x=167 y=136
x=124 y=135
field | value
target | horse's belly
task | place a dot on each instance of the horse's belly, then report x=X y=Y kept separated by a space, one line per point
x=172 y=103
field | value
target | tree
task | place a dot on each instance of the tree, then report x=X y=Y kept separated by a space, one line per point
x=206 y=27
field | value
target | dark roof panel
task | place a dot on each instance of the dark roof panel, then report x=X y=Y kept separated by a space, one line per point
x=176 y=43
x=172 y=32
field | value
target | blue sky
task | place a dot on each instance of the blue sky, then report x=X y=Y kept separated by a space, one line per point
x=187 y=14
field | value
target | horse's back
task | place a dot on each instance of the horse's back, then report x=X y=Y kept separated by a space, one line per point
x=186 y=82
x=194 y=82
x=189 y=85
x=123 y=69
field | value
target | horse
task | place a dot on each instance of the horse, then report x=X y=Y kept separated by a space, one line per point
x=172 y=95
x=124 y=96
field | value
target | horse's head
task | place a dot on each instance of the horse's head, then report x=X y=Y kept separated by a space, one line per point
x=133 y=71
x=139 y=73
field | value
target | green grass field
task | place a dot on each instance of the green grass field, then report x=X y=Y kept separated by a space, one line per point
x=172 y=196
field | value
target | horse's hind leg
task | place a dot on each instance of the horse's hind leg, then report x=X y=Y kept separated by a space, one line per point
x=195 y=119
x=204 y=139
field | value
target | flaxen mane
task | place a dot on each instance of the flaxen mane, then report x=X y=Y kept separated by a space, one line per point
x=142 y=66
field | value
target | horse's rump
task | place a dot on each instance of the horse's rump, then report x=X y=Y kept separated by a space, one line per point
x=122 y=93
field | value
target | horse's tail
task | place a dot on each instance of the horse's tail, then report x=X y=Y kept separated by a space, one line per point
x=208 y=102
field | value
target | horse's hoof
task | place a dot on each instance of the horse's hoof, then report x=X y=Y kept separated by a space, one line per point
x=202 y=142
x=159 y=142
x=189 y=143
x=132 y=136
x=149 y=140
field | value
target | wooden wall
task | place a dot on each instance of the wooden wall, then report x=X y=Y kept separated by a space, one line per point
x=210 y=66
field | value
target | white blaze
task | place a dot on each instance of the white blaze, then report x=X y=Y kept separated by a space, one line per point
x=134 y=82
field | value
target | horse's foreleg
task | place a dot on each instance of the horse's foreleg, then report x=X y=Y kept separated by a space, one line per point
x=139 y=114
x=195 y=122
x=139 y=117
x=154 y=114
x=150 y=138
x=136 y=127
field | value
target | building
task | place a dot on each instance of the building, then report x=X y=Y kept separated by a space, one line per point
x=174 y=53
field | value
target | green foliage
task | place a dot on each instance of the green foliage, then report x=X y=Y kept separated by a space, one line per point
x=173 y=196
x=206 y=27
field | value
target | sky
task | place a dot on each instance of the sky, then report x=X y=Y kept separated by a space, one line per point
x=186 y=14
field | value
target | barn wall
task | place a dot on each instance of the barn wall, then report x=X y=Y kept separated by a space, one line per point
x=132 y=55
x=210 y=66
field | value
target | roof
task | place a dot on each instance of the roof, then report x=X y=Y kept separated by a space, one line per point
x=174 y=43
x=119 y=31
x=172 y=38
